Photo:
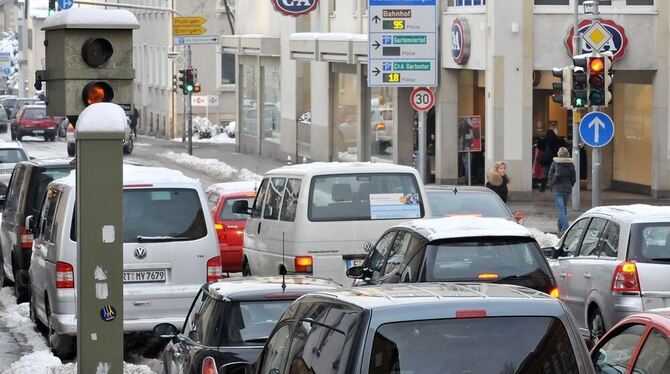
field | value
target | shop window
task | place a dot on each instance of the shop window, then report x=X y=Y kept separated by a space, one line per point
x=345 y=120
x=382 y=125
x=640 y=2
x=271 y=113
x=227 y=68
x=249 y=117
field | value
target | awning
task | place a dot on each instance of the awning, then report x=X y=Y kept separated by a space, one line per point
x=250 y=44
x=330 y=47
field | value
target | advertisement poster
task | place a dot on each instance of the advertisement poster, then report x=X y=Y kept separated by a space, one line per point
x=394 y=206
x=470 y=134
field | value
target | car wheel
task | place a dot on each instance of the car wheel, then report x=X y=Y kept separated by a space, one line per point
x=19 y=137
x=61 y=345
x=20 y=291
x=596 y=326
x=128 y=146
x=70 y=149
x=246 y=270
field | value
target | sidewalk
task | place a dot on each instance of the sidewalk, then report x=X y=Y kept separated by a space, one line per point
x=540 y=211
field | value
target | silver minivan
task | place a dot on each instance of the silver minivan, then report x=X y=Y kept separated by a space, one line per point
x=612 y=262
x=170 y=249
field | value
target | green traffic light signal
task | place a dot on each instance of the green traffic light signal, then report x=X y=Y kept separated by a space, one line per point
x=189 y=88
x=579 y=103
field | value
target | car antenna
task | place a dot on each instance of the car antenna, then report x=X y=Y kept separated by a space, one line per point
x=283 y=267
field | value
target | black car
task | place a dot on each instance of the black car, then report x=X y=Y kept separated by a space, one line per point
x=231 y=319
x=25 y=194
x=457 y=249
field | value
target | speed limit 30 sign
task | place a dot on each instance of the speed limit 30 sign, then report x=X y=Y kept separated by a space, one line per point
x=422 y=98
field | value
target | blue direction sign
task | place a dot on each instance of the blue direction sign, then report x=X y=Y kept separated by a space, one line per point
x=6 y=71
x=596 y=129
x=65 y=4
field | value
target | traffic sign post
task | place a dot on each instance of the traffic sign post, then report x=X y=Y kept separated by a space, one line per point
x=402 y=43
x=422 y=99
x=596 y=129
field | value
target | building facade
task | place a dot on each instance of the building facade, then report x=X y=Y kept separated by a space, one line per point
x=302 y=89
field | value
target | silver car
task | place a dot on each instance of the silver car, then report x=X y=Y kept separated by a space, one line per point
x=10 y=154
x=612 y=262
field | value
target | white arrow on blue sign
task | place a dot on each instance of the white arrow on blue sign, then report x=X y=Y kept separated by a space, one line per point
x=596 y=129
x=6 y=71
x=65 y=4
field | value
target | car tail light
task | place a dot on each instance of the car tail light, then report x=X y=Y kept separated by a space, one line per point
x=26 y=239
x=220 y=232
x=303 y=264
x=625 y=280
x=488 y=276
x=519 y=217
x=475 y=313
x=555 y=293
x=214 y=269
x=64 y=275
x=380 y=126
x=209 y=366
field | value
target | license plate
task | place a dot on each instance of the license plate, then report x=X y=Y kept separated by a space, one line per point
x=355 y=262
x=39 y=131
x=144 y=276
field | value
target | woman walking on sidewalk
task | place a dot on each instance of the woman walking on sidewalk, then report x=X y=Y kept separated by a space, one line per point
x=498 y=180
x=560 y=179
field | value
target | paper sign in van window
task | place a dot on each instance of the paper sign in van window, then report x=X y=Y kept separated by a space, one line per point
x=160 y=195
x=395 y=206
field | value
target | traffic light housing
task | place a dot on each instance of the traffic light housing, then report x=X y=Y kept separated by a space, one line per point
x=52 y=7
x=88 y=62
x=563 y=89
x=608 y=74
x=580 y=84
x=596 y=81
x=189 y=81
x=182 y=80
x=196 y=88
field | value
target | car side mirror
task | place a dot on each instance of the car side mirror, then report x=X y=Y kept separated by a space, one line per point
x=548 y=252
x=241 y=207
x=239 y=367
x=165 y=330
x=355 y=272
x=32 y=157
x=519 y=217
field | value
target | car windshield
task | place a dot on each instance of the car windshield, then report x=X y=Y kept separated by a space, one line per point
x=227 y=210
x=12 y=156
x=476 y=345
x=38 y=186
x=9 y=103
x=35 y=113
x=445 y=203
x=484 y=259
x=650 y=243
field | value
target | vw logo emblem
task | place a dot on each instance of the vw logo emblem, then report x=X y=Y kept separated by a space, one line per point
x=140 y=253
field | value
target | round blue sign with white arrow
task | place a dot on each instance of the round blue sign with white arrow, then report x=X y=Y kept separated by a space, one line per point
x=596 y=129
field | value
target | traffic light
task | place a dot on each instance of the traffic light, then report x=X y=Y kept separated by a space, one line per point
x=182 y=80
x=52 y=7
x=189 y=82
x=580 y=82
x=88 y=63
x=596 y=81
x=562 y=89
x=174 y=83
x=608 y=74
x=196 y=88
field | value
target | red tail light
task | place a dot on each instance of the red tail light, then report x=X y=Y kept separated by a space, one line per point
x=304 y=264
x=625 y=280
x=555 y=293
x=381 y=126
x=26 y=239
x=519 y=217
x=64 y=275
x=220 y=232
x=209 y=366
x=475 y=313
x=214 y=269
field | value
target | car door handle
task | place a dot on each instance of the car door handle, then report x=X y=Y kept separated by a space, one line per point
x=258 y=231
x=562 y=274
x=587 y=275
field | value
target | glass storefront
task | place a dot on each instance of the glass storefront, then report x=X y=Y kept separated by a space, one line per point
x=345 y=125
x=382 y=124
x=271 y=102
x=249 y=115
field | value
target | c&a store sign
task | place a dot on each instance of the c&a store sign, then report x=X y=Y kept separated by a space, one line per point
x=617 y=45
x=294 y=7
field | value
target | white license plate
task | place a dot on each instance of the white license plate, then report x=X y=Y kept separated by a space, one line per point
x=144 y=276
x=38 y=131
x=355 y=262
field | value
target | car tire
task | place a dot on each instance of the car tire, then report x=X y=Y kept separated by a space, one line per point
x=19 y=137
x=70 y=149
x=21 y=292
x=596 y=326
x=128 y=146
x=61 y=345
x=246 y=269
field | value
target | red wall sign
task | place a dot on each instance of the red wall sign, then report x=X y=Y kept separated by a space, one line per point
x=617 y=44
x=294 y=8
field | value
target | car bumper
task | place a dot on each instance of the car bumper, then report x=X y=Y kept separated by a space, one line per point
x=231 y=258
x=67 y=323
x=623 y=307
x=22 y=131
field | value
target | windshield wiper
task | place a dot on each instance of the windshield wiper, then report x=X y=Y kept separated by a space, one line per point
x=156 y=239
x=256 y=340
x=514 y=276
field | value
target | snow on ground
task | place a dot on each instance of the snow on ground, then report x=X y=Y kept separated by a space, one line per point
x=544 y=239
x=217 y=139
x=212 y=167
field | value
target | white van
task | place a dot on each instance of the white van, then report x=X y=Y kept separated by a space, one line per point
x=316 y=218
x=170 y=249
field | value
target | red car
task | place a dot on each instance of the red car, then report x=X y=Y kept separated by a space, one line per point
x=32 y=120
x=638 y=344
x=230 y=226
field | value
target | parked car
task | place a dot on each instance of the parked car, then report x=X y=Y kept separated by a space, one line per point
x=438 y=328
x=316 y=217
x=612 y=262
x=10 y=154
x=637 y=344
x=446 y=200
x=25 y=194
x=231 y=319
x=128 y=141
x=465 y=249
x=4 y=120
x=229 y=225
x=32 y=120
x=9 y=103
x=381 y=120
x=169 y=251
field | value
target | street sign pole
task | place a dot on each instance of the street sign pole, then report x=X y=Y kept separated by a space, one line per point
x=596 y=130
x=189 y=105
x=421 y=152
x=576 y=189
x=595 y=157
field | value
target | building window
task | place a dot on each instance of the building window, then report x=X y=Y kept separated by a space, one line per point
x=382 y=125
x=271 y=113
x=345 y=119
x=640 y=2
x=249 y=117
x=227 y=68
x=467 y=2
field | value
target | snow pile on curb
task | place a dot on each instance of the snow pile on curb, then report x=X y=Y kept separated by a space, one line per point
x=212 y=167
x=206 y=132
x=544 y=239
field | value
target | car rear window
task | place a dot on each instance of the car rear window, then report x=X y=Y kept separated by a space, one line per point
x=476 y=345
x=38 y=187
x=447 y=203
x=484 y=259
x=650 y=242
x=371 y=196
x=35 y=113
x=227 y=214
x=12 y=156
x=162 y=214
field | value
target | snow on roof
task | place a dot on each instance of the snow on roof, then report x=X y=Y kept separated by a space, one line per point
x=341 y=168
x=466 y=227
x=304 y=36
x=634 y=211
x=248 y=285
x=90 y=18
x=101 y=117
x=233 y=187
x=133 y=174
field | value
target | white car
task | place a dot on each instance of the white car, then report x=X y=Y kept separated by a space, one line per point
x=128 y=142
x=10 y=154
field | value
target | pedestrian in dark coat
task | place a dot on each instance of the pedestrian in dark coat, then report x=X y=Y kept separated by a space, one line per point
x=498 y=180
x=551 y=145
x=134 y=119
x=562 y=177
